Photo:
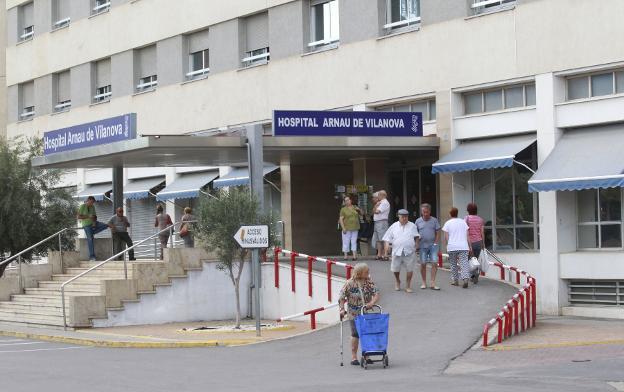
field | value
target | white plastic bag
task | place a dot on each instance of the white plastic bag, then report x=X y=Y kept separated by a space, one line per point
x=474 y=264
x=484 y=260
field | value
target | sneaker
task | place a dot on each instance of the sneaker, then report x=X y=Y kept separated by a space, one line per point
x=454 y=283
x=397 y=286
x=408 y=290
x=92 y=259
x=422 y=287
x=465 y=286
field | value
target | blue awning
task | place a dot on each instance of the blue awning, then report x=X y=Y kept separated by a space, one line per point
x=95 y=190
x=483 y=154
x=239 y=176
x=588 y=158
x=140 y=188
x=187 y=185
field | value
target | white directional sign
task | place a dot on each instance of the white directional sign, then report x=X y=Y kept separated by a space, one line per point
x=253 y=236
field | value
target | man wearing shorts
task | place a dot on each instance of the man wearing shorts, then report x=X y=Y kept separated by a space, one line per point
x=404 y=237
x=429 y=230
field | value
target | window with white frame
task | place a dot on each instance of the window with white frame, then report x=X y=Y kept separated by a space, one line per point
x=599 y=213
x=595 y=85
x=63 y=97
x=426 y=107
x=26 y=105
x=256 y=40
x=60 y=13
x=506 y=205
x=324 y=23
x=198 y=58
x=481 y=6
x=401 y=14
x=103 y=90
x=500 y=98
x=99 y=6
x=26 y=22
x=146 y=69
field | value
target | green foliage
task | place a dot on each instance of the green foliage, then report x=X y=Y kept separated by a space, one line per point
x=219 y=219
x=30 y=210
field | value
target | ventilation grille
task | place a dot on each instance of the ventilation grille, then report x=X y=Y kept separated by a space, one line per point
x=596 y=292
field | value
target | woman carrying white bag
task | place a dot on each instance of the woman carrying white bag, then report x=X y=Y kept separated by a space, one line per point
x=476 y=234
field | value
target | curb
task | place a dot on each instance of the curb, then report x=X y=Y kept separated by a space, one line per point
x=555 y=345
x=126 y=344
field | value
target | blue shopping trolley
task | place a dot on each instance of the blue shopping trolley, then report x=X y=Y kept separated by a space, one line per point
x=373 y=330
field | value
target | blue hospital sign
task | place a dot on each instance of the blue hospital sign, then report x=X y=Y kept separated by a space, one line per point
x=105 y=131
x=327 y=123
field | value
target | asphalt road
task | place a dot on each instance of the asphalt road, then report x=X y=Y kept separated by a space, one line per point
x=428 y=329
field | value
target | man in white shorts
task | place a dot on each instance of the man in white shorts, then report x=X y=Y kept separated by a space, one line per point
x=404 y=237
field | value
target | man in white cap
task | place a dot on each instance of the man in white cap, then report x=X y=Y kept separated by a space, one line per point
x=404 y=237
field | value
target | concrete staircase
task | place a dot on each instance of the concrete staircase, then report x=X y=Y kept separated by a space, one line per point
x=91 y=296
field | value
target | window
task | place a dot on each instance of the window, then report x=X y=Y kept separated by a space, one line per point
x=595 y=85
x=507 y=206
x=499 y=99
x=401 y=13
x=63 y=97
x=481 y=6
x=26 y=22
x=599 y=218
x=199 y=59
x=103 y=89
x=256 y=40
x=99 y=6
x=426 y=107
x=60 y=13
x=146 y=69
x=324 y=23
x=26 y=105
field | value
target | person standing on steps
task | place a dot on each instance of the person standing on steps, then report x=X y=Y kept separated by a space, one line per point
x=163 y=220
x=188 y=237
x=119 y=224
x=381 y=209
x=456 y=238
x=404 y=237
x=429 y=230
x=90 y=224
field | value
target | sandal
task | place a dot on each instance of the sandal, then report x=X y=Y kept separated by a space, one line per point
x=435 y=288
x=378 y=258
x=423 y=286
x=385 y=258
x=355 y=362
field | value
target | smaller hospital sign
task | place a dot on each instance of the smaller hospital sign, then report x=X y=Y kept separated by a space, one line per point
x=105 y=131
x=328 y=123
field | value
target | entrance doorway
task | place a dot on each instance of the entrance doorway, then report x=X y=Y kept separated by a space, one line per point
x=408 y=188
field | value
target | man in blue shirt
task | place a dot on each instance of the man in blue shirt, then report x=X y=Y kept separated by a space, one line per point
x=429 y=229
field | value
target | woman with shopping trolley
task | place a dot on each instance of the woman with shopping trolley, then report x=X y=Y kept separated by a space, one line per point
x=358 y=291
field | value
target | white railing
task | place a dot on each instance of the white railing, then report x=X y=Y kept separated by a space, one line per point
x=28 y=33
x=485 y=3
x=102 y=97
x=27 y=112
x=62 y=106
x=250 y=60
x=401 y=23
x=62 y=23
x=147 y=85
x=323 y=42
x=101 y=8
x=199 y=72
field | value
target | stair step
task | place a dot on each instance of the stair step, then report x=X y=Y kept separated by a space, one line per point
x=54 y=319
x=76 y=285
x=31 y=307
x=88 y=278
x=43 y=291
x=31 y=310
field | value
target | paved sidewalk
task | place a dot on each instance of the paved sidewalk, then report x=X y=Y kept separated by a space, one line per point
x=172 y=335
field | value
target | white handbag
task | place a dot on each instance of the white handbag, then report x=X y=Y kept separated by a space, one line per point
x=484 y=259
x=474 y=264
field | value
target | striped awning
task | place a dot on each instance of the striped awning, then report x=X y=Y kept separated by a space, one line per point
x=240 y=176
x=140 y=188
x=95 y=190
x=187 y=185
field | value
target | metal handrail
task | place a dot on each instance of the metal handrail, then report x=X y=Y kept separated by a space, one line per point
x=58 y=233
x=169 y=228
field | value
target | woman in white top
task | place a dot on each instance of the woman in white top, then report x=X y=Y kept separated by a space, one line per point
x=456 y=237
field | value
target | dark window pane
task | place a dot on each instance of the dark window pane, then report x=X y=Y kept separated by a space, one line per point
x=619 y=82
x=588 y=236
x=587 y=205
x=611 y=236
x=530 y=94
x=488 y=238
x=524 y=198
x=524 y=238
x=432 y=107
x=504 y=197
x=514 y=97
x=610 y=204
x=197 y=61
x=493 y=100
x=504 y=238
x=578 y=88
x=319 y=18
x=421 y=107
x=413 y=199
x=602 y=84
x=472 y=103
x=428 y=189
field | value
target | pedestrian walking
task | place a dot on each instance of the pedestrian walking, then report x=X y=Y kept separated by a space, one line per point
x=186 y=230
x=456 y=238
x=358 y=291
x=119 y=224
x=350 y=224
x=403 y=236
x=476 y=235
x=381 y=209
x=163 y=220
x=90 y=224
x=429 y=230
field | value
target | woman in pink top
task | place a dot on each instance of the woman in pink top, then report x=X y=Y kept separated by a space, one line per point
x=476 y=234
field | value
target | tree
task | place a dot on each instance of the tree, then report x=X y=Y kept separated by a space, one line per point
x=219 y=219
x=30 y=208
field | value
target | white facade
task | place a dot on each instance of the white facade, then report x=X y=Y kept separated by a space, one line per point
x=443 y=53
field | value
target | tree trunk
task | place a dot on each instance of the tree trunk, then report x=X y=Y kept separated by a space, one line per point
x=238 y=310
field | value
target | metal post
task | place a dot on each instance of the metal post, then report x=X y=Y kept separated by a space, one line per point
x=63 y=305
x=19 y=270
x=171 y=237
x=61 y=252
x=255 y=259
x=155 y=249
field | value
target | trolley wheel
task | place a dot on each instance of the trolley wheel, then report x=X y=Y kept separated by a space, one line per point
x=385 y=361
x=365 y=362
